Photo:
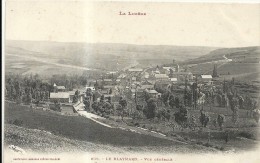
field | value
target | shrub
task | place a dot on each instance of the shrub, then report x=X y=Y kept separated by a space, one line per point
x=17 y=122
x=137 y=124
x=247 y=135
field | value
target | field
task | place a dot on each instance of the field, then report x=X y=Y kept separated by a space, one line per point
x=243 y=134
x=76 y=129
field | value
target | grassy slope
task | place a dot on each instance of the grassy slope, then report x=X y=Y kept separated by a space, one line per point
x=75 y=133
x=76 y=127
x=243 y=54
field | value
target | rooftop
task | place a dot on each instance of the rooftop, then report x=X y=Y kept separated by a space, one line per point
x=60 y=95
x=152 y=91
x=108 y=80
x=206 y=76
x=60 y=87
x=161 y=76
x=174 y=79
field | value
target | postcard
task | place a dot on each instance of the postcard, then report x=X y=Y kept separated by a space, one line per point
x=134 y=82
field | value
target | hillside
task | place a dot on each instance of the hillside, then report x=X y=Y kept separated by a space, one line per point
x=241 y=54
x=47 y=131
x=30 y=55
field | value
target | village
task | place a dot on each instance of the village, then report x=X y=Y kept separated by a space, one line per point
x=166 y=101
x=131 y=85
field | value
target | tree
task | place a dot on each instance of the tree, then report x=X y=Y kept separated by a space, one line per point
x=192 y=122
x=122 y=111
x=204 y=118
x=177 y=102
x=215 y=73
x=241 y=102
x=219 y=100
x=171 y=73
x=151 y=108
x=123 y=102
x=234 y=107
x=165 y=98
x=76 y=97
x=256 y=115
x=86 y=103
x=110 y=91
x=95 y=106
x=221 y=120
x=181 y=117
x=172 y=101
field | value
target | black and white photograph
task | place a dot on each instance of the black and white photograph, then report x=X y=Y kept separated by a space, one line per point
x=121 y=81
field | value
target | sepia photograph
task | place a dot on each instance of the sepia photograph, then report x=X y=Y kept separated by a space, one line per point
x=121 y=81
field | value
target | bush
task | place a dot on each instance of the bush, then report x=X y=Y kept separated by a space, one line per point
x=137 y=124
x=17 y=122
x=247 y=135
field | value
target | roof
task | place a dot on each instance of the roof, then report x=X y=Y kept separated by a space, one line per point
x=161 y=76
x=60 y=95
x=135 y=70
x=133 y=78
x=112 y=72
x=146 y=83
x=183 y=73
x=166 y=68
x=152 y=91
x=147 y=86
x=107 y=79
x=118 y=80
x=109 y=86
x=206 y=76
x=121 y=76
x=71 y=93
x=109 y=95
x=174 y=79
x=92 y=88
x=133 y=90
x=60 y=87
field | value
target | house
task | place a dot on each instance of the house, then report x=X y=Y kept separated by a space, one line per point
x=62 y=97
x=121 y=76
x=107 y=81
x=167 y=70
x=181 y=76
x=205 y=78
x=107 y=88
x=146 y=87
x=166 y=84
x=59 y=88
x=133 y=79
x=146 y=82
x=153 y=93
x=146 y=75
x=174 y=80
x=159 y=77
x=92 y=88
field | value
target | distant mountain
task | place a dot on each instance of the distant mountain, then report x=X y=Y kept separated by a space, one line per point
x=108 y=50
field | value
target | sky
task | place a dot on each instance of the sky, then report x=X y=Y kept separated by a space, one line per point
x=185 y=24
